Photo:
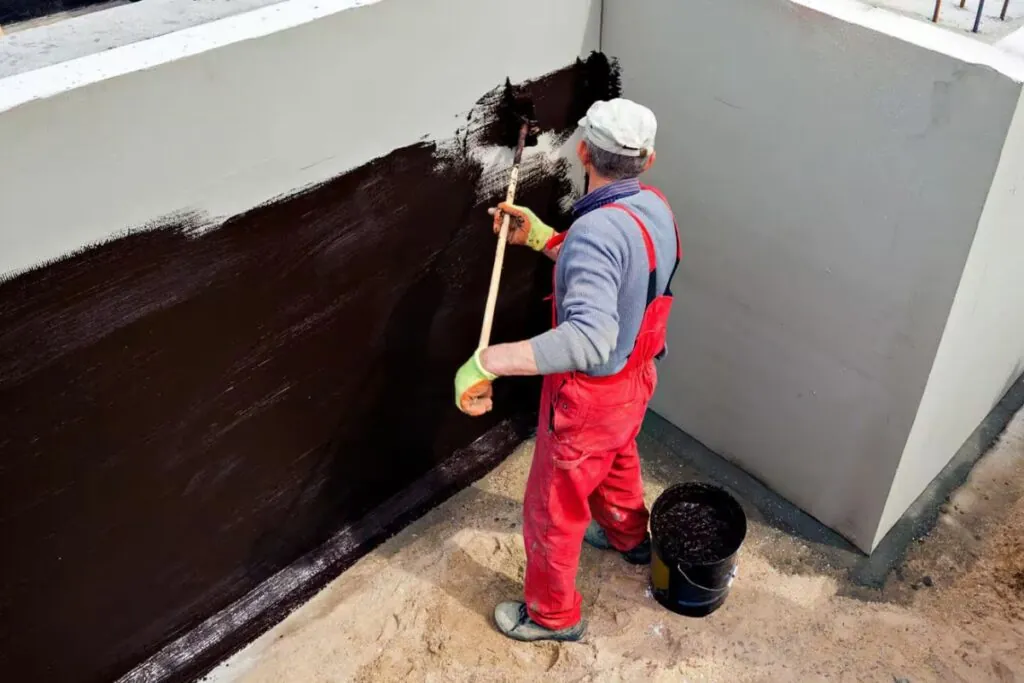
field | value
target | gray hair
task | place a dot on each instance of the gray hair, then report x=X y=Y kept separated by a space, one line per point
x=614 y=166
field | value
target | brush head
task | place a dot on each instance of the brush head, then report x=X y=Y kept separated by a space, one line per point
x=513 y=110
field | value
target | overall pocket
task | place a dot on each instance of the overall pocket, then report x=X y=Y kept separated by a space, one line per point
x=569 y=411
x=569 y=425
x=615 y=410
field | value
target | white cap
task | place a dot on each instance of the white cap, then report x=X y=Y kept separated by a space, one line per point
x=620 y=126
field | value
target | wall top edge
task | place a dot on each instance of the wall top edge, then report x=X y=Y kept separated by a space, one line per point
x=22 y=87
x=1013 y=43
x=1006 y=56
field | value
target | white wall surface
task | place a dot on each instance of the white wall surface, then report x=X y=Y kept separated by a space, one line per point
x=220 y=117
x=982 y=348
x=828 y=179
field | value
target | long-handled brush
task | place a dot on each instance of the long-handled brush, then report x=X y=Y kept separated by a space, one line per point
x=499 y=254
x=515 y=120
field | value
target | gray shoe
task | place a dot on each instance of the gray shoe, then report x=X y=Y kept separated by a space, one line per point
x=513 y=620
x=597 y=537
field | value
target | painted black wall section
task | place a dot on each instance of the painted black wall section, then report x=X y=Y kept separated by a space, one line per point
x=20 y=10
x=186 y=411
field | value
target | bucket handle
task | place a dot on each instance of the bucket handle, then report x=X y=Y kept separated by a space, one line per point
x=728 y=584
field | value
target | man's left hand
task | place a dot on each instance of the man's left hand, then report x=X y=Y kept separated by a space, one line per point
x=473 y=391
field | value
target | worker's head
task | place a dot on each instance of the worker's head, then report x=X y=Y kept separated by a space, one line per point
x=617 y=139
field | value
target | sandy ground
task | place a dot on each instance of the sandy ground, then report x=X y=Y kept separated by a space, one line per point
x=419 y=608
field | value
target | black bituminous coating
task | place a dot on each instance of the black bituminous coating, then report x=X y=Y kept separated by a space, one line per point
x=597 y=78
x=696 y=524
x=694 y=533
x=20 y=10
x=185 y=413
x=555 y=103
x=193 y=654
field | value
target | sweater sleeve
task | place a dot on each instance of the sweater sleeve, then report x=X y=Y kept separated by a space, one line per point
x=592 y=259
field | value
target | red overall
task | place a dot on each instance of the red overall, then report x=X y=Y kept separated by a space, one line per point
x=586 y=460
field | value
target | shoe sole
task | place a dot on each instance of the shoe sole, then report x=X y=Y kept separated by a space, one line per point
x=560 y=638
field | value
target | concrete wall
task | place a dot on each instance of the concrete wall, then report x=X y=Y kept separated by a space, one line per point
x=828 y=179
x=982 y=348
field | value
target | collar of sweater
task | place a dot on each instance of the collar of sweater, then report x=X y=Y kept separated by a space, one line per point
x=607 y=194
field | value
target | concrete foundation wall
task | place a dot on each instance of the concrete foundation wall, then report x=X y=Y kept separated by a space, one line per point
x=982 y=348
x=828 y=179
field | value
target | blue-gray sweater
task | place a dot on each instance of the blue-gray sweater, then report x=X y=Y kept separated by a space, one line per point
x=601 y=280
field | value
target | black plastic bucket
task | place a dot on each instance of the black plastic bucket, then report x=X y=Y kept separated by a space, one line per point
x=696 y=532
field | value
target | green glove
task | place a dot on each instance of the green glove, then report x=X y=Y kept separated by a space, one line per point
x=523 y=227
x=473 y=390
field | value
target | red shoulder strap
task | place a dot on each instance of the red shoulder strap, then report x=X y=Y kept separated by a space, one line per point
x=652 y=259
x=662 y=197
x=652 y=188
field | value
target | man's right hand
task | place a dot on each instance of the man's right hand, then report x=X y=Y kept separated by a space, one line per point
x=523 y=227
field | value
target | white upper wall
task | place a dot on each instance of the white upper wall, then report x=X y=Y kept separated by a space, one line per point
x=220 y=117
x=828 y=166
x=982 y=349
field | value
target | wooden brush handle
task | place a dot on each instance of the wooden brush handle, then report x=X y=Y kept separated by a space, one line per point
x=499 y=259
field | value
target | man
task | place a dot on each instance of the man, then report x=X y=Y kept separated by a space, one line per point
x=611 y=306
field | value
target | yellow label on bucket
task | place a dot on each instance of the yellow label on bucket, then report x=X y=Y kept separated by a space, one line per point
x=659 y=573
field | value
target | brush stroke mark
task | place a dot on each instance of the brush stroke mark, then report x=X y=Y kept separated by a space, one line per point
x=185 y=412
x=557 y=102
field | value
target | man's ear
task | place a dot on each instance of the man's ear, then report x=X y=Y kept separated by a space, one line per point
x=650 y=160
x=583 y=153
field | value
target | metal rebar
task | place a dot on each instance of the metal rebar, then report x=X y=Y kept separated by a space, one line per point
x=935 y=17
x=977 y=17
x=1006 y=4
